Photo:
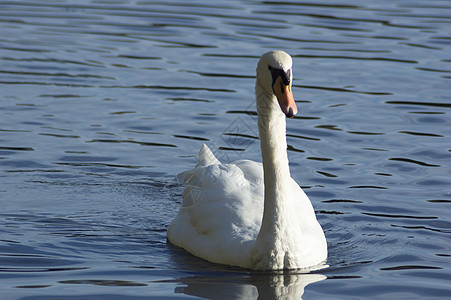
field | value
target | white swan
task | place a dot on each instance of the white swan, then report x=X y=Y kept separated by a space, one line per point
x=245 y=214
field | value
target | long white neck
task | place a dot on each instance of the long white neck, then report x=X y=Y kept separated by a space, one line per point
x=272 y=130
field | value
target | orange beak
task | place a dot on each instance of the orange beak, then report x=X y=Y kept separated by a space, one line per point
x=285 y=97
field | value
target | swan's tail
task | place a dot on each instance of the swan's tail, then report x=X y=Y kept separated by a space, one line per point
x=206 y=157
x=191 y=177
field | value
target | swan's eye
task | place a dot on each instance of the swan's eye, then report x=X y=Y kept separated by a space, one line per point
x=286 y=76
x=275 y=73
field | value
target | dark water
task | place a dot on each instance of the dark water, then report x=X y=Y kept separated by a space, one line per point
x=103 y=102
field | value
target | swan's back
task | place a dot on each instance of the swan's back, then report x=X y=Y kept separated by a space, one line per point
x=222 y=210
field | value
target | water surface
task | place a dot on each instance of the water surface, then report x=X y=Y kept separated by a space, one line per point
x=102 y=103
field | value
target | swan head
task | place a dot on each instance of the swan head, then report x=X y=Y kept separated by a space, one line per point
x=275 y=76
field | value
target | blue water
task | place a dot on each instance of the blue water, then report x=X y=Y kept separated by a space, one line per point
x=102 y=103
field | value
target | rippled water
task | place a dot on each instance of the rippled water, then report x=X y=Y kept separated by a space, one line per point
x=103 y=102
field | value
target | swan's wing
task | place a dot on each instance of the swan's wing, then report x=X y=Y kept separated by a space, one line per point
x=221 y=211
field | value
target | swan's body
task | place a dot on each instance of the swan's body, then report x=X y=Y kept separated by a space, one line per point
x=246 y=213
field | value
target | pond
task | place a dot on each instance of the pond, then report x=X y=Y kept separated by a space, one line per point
x=102 y=103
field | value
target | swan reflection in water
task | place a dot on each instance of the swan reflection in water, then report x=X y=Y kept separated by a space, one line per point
x=254 y=286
